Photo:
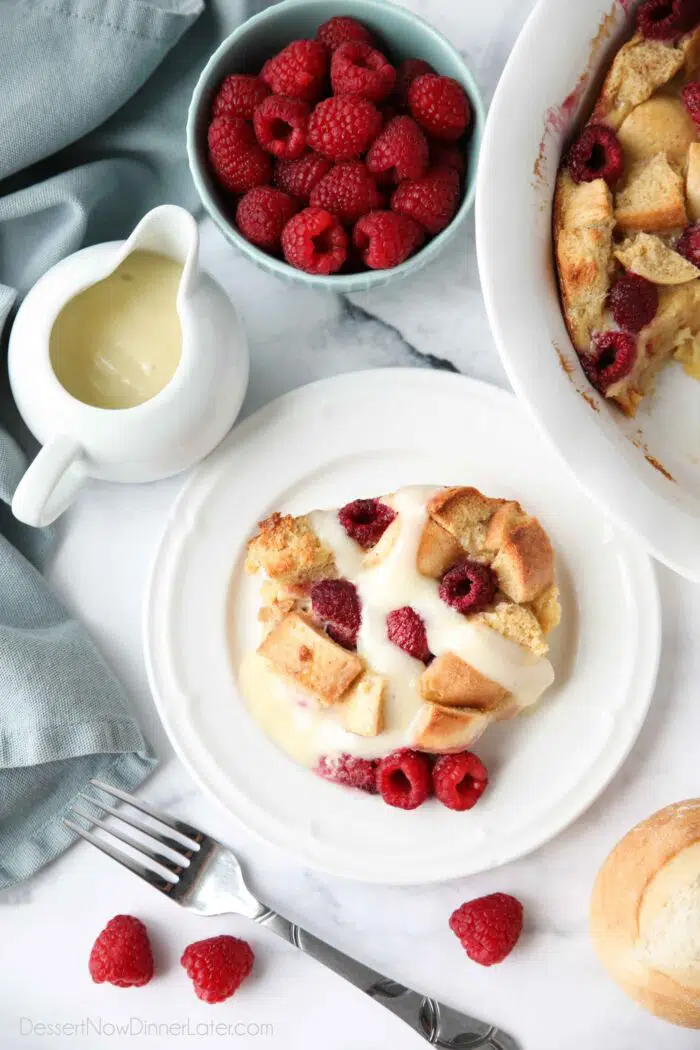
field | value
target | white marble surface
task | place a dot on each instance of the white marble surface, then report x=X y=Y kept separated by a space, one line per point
x=551 y=993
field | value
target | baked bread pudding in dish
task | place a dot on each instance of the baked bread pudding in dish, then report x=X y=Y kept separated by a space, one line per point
x=627 y=211
x=409 y=621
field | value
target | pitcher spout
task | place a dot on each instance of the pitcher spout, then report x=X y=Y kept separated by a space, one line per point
x=168 y=230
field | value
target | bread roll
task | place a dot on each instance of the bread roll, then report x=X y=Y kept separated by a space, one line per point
x=645 y=913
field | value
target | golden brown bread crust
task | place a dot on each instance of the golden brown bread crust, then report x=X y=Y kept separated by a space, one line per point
x=361 y=710
x=304 y=653
x=464 y=513
x=638 y=69
x=438 y=551
x=652 y=199
x=524 y=564
x=443 y=729
x=650 y=257
x=450 y=681
x=288 y=550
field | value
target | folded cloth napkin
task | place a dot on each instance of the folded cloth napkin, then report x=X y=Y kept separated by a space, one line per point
x=94 y=103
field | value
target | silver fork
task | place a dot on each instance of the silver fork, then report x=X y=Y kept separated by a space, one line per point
x=207 y=878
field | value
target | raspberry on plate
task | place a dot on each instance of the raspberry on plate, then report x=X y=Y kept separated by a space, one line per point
x=469 y=586
x=633 y=302
x=359 y=69
x=360 y=773
x=596 y=154
x=613 y=357
x=315 y=241
x=440 y=105
x=408 y=71
x=348 y=190
x=399 y=151
x=366 y=520
x=298 y=177
x=405 y=628
x=262 y=214
x=122 y=954
x=341 y=29
x=385 y=239
x=337 y=605
x=343 y=128
x=238 y=160
x=280 y=126
x=666 y=19
x=239 y=95
x=403 y=779
x=488 y=927
x=459 y=780
x=688 y=244
x=432 y=200
x=298 y=71
x=217 y=966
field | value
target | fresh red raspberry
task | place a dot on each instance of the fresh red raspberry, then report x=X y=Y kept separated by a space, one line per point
x=280 y=126
x=349 y=771
x=403 y=779
x=613 y=357
x=405 y=628
x=488 y=927
x=359 y=69
x=596 y=154
x=666 y=19
x=348 y=190
x=298 y=71
x=262 y=215
x=385 y=239
x=343 y=128
x=298 y=177
x=447 y=155
x=690 y=96
x=469 y=586
x=440 y=105
x=122 y=954
x=400 y=151
x=314 y=241
x=217 y=966
x=633 y=302
x=337 y=605
x=239 y=95
x=459 y=780
x=688 y=244
x=408 y=71
x=366 y=520
x=238 y=160
x=341 y=30
x=432 y=200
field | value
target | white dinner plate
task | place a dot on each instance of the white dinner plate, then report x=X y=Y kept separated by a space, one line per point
x=366 y=434
x=545 y=92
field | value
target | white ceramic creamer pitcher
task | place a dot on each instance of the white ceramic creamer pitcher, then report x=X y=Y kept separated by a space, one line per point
x=168 y=431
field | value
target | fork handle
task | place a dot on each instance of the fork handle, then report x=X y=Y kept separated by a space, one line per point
x=440 y=1025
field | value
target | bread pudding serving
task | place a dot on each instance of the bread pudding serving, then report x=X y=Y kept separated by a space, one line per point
x=409 y=621
x=627 y=211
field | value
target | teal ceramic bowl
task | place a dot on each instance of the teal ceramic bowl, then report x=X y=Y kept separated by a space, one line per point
x=245 y=51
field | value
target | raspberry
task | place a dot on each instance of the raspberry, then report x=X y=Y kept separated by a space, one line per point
x=358 y=69
x=340 y=30
x=431 y=200
x=403 y=779
x=217 y=966
x=262 y=215
x=400 y=151
x=348 y=190
x=469 y=586
x=298 y=71
x=459 y=780
x=633 y=301
x=409 y=70
x=343 y=128
x=349 y=771
x=596 y=154
x=239 y=162
x=405 y=628
x=688 y=244
x=488 y=927
x=239 y=95
x=315 y=241
x=298 y=177
x=122 y=954
x=440 y=105
x=613 y=357
x=666 y=19
x=280 y=126
x=385 y=239
x=690 y=96
x=366 y=520
x=337 y=605
x=447 y=155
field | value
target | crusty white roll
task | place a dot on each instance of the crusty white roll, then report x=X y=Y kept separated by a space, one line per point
x=645 y=913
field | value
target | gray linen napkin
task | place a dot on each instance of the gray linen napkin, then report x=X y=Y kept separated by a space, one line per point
x=92 y=115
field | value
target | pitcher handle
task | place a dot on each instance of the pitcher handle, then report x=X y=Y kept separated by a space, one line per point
x=50 y=483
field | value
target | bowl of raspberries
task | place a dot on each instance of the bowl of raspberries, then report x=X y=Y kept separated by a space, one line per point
x=335 y=143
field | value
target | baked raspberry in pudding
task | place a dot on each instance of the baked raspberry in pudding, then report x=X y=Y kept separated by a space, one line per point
x=397 y=627
x=627 y=211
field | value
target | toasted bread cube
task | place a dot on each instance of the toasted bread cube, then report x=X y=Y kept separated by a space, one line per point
x=662 y=124
x=450 y=681
x=298 y=650
x=584 y=258
x=647 y=255
x=692 y=182
x=517 y=623
x=690 y=46
x=443 y=729
x=362 y=710
x=547 y=609
x=524 y=564
x=580 y=205
x=464 y=513
x=438 y=550
x=638 y=69
x=502 y=523
x=653 y=198
x=289 y=551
